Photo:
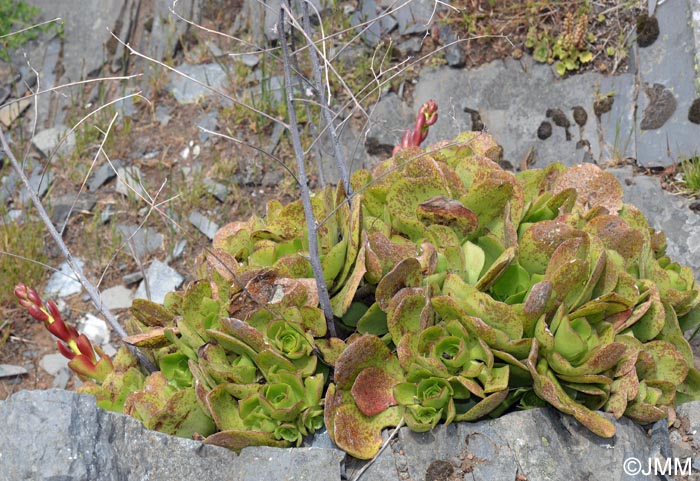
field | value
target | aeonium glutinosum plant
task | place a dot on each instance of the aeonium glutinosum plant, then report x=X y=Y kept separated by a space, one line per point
x=460 y=290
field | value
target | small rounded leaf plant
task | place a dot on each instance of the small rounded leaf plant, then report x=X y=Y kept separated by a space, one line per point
x=460 y=290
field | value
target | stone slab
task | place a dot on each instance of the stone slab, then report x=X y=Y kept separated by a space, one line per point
x=143 y=240
x=512 y=98
x=668 y=62
x=161 y=280
x=186 y=91
x=541 y=444
x=117 y=297
x=205 y=225
x=64 y=282
x=59 y=435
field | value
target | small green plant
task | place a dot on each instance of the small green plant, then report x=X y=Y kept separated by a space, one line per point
x=569 y=49
x=690 y=174
x=14 y=16
x=25 y=235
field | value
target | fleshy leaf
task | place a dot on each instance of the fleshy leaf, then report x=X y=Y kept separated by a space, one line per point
x=373 y=391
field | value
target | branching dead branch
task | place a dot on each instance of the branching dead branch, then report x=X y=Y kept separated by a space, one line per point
x=311 y=225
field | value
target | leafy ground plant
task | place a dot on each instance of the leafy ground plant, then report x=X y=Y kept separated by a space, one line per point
x=15 y=18
x=458 y=290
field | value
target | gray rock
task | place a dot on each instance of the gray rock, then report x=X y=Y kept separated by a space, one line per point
x=269 y=89
x=218 y=190
x=410 y=46
x=107 y=214
x=126 y=107
x=186 y=91
x=454 y=55
x=670 y=63
x=143 y=240
x=10 y=370
x=132 y=278
x=388 y=121
x=415 y=16
x=205 y=225
x=666 y=212
x=94 y=328
x=247 y=59
x=161 y=280
x=207 y=121
x=68 y=205
x=64 y=282
x=109 y=349
x=163 y=115
x=130 y=183
x=13 y=215
x=47 y=141
x=104 y=174
x=691 y=411
x=512 y=98
x=8 y=186
x=542 y=444
x=275 y=138
x=53 y=363
x=117 y=297
x=271 y=16
x=378 y=28
x=178 y=249
x=86 y=42
x=4 y=93
x=60 y=381
x=85 y=443
x=40 y=180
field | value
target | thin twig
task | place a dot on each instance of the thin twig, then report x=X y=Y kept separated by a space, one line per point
x=71 y=84
x=31 y=27
x=91 y=290
x=311 y=225
x=376 y=456
x=307 y=108
x=316 y=67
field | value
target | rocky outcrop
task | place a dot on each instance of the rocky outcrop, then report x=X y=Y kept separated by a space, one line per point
x=60 y=435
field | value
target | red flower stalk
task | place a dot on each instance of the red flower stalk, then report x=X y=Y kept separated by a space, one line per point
x=413 y=137
x=71 y=344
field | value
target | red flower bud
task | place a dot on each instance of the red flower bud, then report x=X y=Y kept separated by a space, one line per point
x=85 y=347
x=21 y=291
x=58 y=329
x=37 y=313
x=72 y=331
x=53 y=309
x=66 y=351
x=33 y=296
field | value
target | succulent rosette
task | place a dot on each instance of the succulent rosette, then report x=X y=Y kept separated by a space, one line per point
x=426 y=403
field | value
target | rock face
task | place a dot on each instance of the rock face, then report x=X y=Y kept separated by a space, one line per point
x=87 y=44
x=60 y=435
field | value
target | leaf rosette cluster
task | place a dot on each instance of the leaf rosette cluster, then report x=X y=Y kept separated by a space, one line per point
x=459 y=290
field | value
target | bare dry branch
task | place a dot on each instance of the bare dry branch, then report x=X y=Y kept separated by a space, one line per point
x=311 y=225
